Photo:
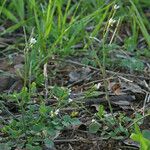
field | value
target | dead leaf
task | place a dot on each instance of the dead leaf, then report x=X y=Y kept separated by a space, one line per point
x=115 y=88
x=130 y=142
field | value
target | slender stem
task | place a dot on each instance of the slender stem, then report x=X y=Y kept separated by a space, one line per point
x=22 y=114
x=138 y=120
x=103 y=71
x=103 y=67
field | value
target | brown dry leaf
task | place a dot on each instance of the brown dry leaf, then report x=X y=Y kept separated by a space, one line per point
x=115 y=88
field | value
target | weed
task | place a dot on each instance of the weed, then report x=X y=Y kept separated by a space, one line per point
x=38 y=123
x=143 y=138
x=120 y=128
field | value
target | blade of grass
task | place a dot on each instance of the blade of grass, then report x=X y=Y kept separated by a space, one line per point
x=14 y=27
x=19 y=6
x=9 y=14
x=139 y=21
x=3 y=4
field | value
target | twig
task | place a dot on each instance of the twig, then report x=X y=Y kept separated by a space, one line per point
x=70 y=147
x=96 y=81
x=4 y=107
x=107 y=71
x=81 y=80
x=66 y=140
x=46 y=81
x=138 y=120
x=145 y=101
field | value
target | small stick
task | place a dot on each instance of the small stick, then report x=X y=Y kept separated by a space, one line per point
x=107 y=71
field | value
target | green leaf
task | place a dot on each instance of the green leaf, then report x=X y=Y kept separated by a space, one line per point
x=19 y=6
x=5 y=146
x=24 y=95
x=48 y=143
x=100 y=111
x=13 y=27
x=9 y=14
x=140 y=22
x=112 y=134
x=51 y=132
x=43 y=109
x=135 y=137
x=130 y=44
x=33 y=87
x=66 y=120
x=75 y=121
x=133 y=64
x=138 y=137
x=137 y=129
x=94 y=127
x=61 y=93
x=146 y=134
x=31 y=147
x=38 y=127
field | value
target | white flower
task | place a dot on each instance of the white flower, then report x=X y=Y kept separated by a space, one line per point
x=93 y=120
x=32 y=41
x=116 y=7
x=70 y=100
x=97 y=86
x=111 y=21
x=45 y=70
x=56 y=112
x=69 y=91
x=53 y=57
x=52 y=114
x=44 y=132
x=38 y=134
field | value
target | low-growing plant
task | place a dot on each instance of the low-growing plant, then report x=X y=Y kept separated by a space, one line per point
x=143 y=138
x=118 y=128
x=39 y=124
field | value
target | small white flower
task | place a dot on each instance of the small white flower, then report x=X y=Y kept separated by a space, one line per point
x=97 y=86
x=69 y=90
x=116 y=7
x=111 y=21
x=53 y=57
x=32 y=41
x=52 y=114
x=56 y=112
x=70 y=100
x=44 y=132
x=38 y=134
x=45 y=70
x=93 y=120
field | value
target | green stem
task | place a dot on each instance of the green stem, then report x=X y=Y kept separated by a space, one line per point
x=22 y=114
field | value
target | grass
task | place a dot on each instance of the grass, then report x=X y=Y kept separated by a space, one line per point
x=57 y=26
